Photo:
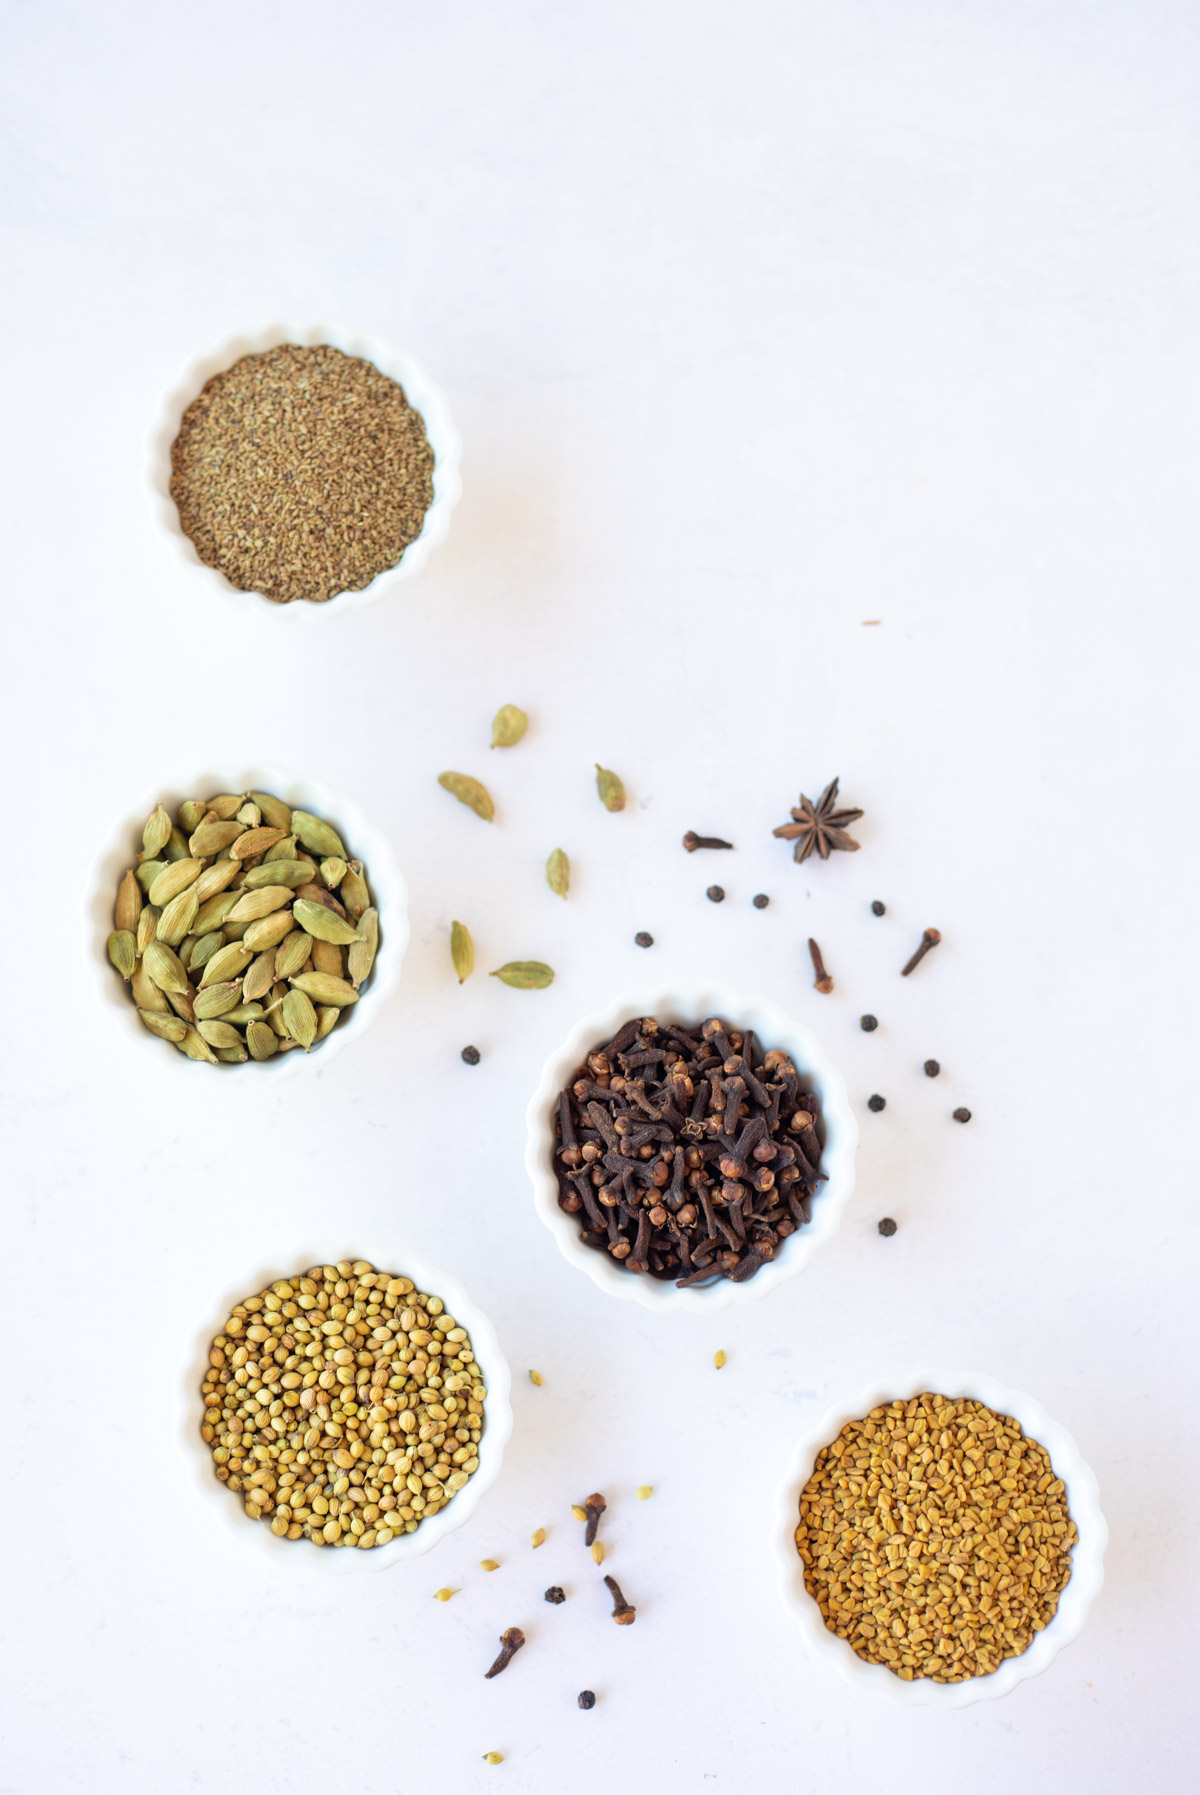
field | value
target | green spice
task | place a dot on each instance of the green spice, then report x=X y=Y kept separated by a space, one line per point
x=470 y=792
x=524 y=975
x=508 y=726
x=610 y=788
x=558 y=873
x=462 y=950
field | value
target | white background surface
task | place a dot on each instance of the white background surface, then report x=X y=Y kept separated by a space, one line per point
x=757 y=322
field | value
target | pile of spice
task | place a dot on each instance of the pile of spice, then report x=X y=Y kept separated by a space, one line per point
x=244 y=930
x=687 y=1153
x=935 y=1537
x=344 y=1406
x=301 y=473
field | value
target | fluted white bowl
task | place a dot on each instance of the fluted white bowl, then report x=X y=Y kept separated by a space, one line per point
x=225 y=1504
x=1087 y=1557
x=421 y=394
x=682 y=1005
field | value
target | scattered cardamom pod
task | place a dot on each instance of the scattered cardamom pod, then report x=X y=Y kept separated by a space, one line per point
x=558 y=873
x=612 y=792
x=524 y=975
x=128 y=906
x=462 y=950
x=122 y=951
x=508 y=726
x=317 y=836
x=468 y=791
x=324 y=923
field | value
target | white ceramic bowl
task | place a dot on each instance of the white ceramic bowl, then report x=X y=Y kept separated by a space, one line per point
x=1087 y=1558
x=682 y=1005
x=422 y=395
x=334 y=1561
x=364 y=842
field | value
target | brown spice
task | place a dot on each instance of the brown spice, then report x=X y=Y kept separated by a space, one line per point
x=301 y=473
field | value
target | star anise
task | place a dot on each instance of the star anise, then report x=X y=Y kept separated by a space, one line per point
x=819 y=826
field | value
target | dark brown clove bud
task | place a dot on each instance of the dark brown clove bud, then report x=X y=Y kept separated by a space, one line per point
x=594 y=1507
x=511 y=1641
x=821 y=979
x=929 y=939
x=692 y=841
x=622 y=1613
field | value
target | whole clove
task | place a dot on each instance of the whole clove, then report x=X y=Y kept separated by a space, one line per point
x=511 y=1641
x=555 y=1594
x=929 y=939
x=623 y=1613
x=821 y=979
x=687 y=1153
x=692 y=841
x=594 y=1507
x=587 y=1698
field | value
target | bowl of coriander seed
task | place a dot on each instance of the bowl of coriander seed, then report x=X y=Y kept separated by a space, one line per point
x=246 y=918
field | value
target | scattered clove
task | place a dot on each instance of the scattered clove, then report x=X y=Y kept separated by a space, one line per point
x=622 y=1613
x=511 y=1641
x=929 y=939
x=692 y=841
x=821 y=979
x=593 y=1507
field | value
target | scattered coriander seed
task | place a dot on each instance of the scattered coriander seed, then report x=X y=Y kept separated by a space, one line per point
x=876 y=1102
x=868 y=1024
x=760 y=901
x=887 y=1227
x=578 y=1512
x=720 y=1358
x=538 y=1538
x=644 y=1492
x=443 y=1595
x=471 y=1056
x=535 y=1377
x=715 y=894
x=932 y=1068
x=597 y=1551
x=555 y=1594
x=587 y=1698
x=488 y=1564
x=962 y=1115
x=493 y=1757
x=642 y=939
x=877 y=909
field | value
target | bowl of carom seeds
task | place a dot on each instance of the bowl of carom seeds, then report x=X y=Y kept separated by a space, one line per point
x=307 y=465
x=691 y=1148
x=939 y=1539
x=346 y=1413
x=246 y=919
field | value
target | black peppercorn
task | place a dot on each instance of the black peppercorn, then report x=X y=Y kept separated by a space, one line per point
x=587 y=1698
x=868 y=1024
x=962 y=1115
x=932 y=1068
x=643 y=940
x=554 y=1594
x=876 y=1102
x=887 y=1227
x=715 y=893
x=471 y=1055
x=761 y=901
x=877 y=909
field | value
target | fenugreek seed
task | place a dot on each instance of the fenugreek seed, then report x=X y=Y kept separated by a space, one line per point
x=122 y=951
x=644 y=1491
x=470 y=792
x=720 y=1359
x=535 y=1377
x=538 y=1538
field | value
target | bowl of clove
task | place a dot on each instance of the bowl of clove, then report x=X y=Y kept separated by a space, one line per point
x=691 y=1148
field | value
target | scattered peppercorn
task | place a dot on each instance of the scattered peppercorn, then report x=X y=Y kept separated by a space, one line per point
x=932 y=1068
x=877 y=909
x=587 y=1698
x=876 y=1102
x=471 y=1055
x=715 y=894
x=962 y=1115
x=761 y=901
x=643 y=940
x=555 y=1594
x=887 y=1227
x=868 y=1024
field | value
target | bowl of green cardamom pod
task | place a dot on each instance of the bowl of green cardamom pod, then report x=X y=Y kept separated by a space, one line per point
x=246 y=918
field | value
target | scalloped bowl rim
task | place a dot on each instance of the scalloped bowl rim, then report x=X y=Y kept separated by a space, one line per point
x=422 y=395
x=498 y=1416
x=1087 y=1557
x=367 y=844
x=775 y=1028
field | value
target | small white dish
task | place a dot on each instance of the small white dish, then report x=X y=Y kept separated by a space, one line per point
x=1087 y=1557
x=335 y=1560
x=682 y=1005
x=421 y=394
x=364 y=842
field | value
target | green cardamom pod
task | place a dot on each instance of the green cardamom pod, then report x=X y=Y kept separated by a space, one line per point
x=196 y=1047
x=181 y=1003
x=146 y=994
x=148 y=871
x=327 y=1016
x=328 y=958
x=274 y=811
x=243 y=1013
x=317 y=836
x=260 y=900
x=284 y=849
x=267 y=931
x=205 y=948
x=353 y=891
x=122 y=951
x=216 y=878
x=225 y=806
x=462 y=950
x=250 y=814
x=212 y=913
x=233 y=1056
x=191 y=814
x=176 y=848
x=300 y=1018
x=468 y=791
x=147 y=928
x=278 y=872
x=333 y=871
x=128 y=906
x=261 y=1041
x=177 y=918
x=162 y=964
x=323 y=988
x=524 y=975
x=219 y=1034
x=156 y=834
x=259 y=977
x=292 y=954
x=316 y=920
x=508 y=726
x=217 y=1000
x=228 y=962
x=255 y=841
x=558 y=873
x=361 y=957
x=214 y=838
x=167 y=1028
x=174 y=878
x=612 y=792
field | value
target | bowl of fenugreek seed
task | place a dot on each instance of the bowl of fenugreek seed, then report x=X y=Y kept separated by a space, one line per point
x=939 y=1539
x=248 y=919
x=347 y=1414
x=691 y=1148
x=307 y=466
